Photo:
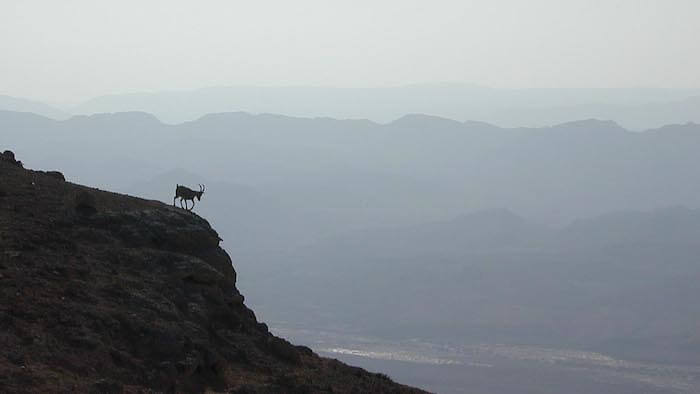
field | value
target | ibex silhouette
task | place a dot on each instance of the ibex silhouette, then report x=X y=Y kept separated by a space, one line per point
x=186 y=194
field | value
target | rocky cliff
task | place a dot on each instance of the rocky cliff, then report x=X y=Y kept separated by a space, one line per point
x=106 y=293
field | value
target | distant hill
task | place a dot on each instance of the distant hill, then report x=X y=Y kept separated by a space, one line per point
x=8 y=103
x=636 y=109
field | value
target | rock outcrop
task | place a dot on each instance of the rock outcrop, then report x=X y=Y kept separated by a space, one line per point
x=106 y=293
x=9 y=157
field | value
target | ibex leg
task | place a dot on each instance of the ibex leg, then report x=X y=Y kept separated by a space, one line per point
x=174 y=200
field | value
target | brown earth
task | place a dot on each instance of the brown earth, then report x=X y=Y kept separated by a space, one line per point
x=107 y=293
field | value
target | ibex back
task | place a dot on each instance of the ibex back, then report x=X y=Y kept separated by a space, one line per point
x=186 y=194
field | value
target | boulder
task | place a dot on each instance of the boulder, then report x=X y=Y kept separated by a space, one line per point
x=9 y=156
x=56 y=175
x=282 y=349
x=197 y=271
x=85 y=203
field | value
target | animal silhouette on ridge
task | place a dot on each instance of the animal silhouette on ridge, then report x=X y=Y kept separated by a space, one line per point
x=185 y=194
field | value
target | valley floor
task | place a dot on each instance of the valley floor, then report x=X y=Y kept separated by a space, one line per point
x=497 y=368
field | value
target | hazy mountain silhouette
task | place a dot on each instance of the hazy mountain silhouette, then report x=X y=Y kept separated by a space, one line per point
x=633 y=108
x=8 y=103
x=361 y=174
x=599 y=284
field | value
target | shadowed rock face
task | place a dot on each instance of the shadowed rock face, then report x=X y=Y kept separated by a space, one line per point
x=9 y=157
x=101 y=292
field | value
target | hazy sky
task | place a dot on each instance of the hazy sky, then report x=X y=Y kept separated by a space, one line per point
x=71 y=49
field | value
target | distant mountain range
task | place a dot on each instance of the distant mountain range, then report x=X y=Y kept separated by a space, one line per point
x=414 y=169
x=466 y=231
x=636 y=109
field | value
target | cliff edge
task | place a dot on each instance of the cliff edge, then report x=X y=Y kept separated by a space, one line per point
x=107 y=293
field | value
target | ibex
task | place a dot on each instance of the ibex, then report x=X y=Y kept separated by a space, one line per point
x=186 y=194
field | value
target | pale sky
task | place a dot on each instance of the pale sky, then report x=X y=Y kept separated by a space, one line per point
x=71 y=50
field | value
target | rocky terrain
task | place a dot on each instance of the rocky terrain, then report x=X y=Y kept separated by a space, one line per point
x=107 y=293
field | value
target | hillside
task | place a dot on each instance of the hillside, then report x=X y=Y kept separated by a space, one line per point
x=102 y=292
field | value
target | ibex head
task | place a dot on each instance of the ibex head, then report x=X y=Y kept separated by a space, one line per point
x=200 y=192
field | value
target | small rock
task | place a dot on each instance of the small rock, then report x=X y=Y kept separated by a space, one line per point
x=187 y=366
x=9 y=156
x=85 y=203
x=168 y=369
x=56 y=175
x=236 y=300
x=305 y=350
x=105 y=386
x=197 y=271
x=283 y=349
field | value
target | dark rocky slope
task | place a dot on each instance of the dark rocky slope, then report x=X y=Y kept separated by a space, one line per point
x=101 y=292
